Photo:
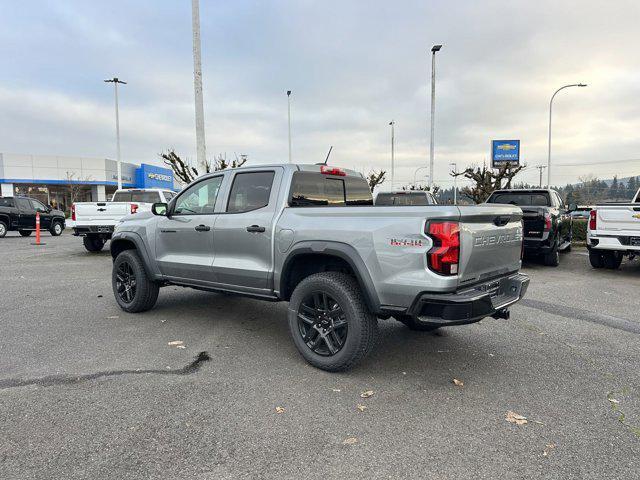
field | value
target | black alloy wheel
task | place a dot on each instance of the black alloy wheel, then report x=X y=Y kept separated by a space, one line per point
x=126 y=282
x=322 y=324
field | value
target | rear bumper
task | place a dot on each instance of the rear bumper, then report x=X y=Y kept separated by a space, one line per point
x=104 y=230
x=471 y=305
x=623 y=243
x=537 y=245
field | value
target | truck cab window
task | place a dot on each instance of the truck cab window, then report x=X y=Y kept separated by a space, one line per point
x=199 y=199
x=250 y=191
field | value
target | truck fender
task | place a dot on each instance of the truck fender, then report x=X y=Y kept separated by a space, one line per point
x=343 y=251
x=120 y=238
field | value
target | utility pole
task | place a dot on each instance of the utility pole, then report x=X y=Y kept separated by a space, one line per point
x=541 y=168
x=116 y=81
x=201 y=149
x=434 y=49
x=393 y=140
x=289 y=120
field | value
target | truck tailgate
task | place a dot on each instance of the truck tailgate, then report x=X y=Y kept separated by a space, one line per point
x=618 y=218
x=101 y=213
x=490 y=241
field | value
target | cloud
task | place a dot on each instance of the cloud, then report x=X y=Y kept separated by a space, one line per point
x=352 y=66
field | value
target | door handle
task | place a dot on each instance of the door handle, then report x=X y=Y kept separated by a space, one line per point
x=202 y=228
x=255 y=229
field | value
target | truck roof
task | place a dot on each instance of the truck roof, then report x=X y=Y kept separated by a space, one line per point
x=302 y=167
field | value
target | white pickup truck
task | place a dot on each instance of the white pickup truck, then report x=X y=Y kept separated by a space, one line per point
x=613 y=232
x=95 y=220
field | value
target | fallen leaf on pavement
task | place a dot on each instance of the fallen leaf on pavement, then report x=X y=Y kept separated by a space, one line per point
x=336 y=390
x=279 y=409
x=175 y=343
x=113 y=316
x=362 y=408
x=613 y=400
x=350 y=441
x=458 y=383
x=367 y=394
x=513 y=417
x=548 y=449
x=180 y=346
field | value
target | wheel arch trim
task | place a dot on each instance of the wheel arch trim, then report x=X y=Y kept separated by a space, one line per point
x=132 y=237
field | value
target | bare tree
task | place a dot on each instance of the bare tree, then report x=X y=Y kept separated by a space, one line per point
x=375 y=178
x=486 y=180
x=74 y=185
x=186 y=173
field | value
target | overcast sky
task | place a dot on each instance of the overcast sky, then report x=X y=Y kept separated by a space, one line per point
x=352 y=66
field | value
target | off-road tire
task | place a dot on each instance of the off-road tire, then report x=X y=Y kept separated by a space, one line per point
x=93 y=243
x=362 y=332
x=24 y=233
x=611 y=259
x=56 y=228
x=595 y=259
x=146 y=293
x=413 y=324
x=3 y=229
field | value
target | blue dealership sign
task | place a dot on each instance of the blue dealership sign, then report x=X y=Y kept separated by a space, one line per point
x=505 y=152
x=151 y=176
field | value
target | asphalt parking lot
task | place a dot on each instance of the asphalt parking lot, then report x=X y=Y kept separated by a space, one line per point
x=88 y=391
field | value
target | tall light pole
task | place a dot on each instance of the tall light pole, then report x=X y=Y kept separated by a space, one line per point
x=289 y=120
x=116 y=81
x=550 y=111
x=201 y=149
x=455 y=184
x=393 y=140
x=434 y=49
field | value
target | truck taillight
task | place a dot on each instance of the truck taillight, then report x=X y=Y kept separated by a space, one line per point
x=73 y=212
x=444 y=256
x=134 y=208
x=593 y=222
x=547 y=221
x=332 y=171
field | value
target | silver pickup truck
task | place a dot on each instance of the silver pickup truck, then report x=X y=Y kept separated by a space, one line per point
x=310 y=235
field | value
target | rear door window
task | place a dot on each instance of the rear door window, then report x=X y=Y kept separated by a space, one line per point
x=250 y=191
x=23 y=204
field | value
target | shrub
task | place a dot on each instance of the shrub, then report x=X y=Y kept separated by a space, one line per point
x=580 y=229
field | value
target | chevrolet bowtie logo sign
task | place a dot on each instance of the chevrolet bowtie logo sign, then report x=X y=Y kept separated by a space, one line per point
x=637 y=215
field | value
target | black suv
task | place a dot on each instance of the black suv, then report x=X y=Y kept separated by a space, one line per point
x=19 y=213
x=546 y=220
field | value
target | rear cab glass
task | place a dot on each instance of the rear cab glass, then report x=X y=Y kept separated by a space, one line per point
x=536 y=199
x=6 y=202
x=404 y=198
x=314 y=189
x=136 y=196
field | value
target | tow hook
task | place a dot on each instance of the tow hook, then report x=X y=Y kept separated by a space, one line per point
x=504 y=313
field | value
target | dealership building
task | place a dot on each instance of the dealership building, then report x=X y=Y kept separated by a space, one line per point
x=59 y=180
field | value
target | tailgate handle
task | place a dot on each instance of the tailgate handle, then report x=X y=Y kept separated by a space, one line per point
x=501 y=220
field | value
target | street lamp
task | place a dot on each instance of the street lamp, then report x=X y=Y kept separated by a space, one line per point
x=289 y=120
x=393 y=139
x=116 y=81
x=550 y=111
x=455 y=184
x=434 y=49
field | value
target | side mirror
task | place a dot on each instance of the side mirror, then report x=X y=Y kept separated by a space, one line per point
x=573 y=207
x=160 y=209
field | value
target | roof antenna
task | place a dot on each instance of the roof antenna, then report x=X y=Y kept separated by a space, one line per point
x=328 y=153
